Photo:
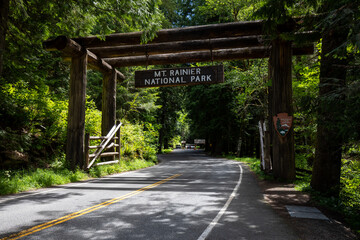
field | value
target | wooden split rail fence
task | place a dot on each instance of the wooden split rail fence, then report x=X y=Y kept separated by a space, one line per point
x=110 y=142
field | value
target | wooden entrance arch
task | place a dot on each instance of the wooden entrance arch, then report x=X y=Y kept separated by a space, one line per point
x=217 y=42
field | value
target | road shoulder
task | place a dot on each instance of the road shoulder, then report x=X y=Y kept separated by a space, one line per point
x=278 y=195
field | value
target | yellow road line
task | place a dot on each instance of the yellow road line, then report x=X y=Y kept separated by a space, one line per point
x=85 y=211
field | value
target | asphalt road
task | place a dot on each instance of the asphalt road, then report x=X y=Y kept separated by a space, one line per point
x=188 y=196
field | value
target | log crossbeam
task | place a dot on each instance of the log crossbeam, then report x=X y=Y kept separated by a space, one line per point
x=202 y=56
x=222 y=30
x=190 y=45
x=71 y=48
x=226 y=41
x=178 y=47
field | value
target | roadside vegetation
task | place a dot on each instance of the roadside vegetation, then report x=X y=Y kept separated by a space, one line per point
x=15 y=181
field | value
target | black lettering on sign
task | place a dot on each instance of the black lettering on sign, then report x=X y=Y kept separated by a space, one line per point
x=179 y=76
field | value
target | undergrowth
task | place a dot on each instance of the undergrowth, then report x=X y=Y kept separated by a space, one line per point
x=254 y=165
x=15 y=181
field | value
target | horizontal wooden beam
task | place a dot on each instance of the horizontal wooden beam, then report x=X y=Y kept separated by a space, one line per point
x=202 y=56
x=193 y=45
x=105 y=163
x=177 y=47
x=223 y=30
x=70 y=48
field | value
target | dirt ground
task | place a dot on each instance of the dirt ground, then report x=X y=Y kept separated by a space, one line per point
x=278 y=195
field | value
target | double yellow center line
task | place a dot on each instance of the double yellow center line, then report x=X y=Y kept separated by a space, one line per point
x=85 y=211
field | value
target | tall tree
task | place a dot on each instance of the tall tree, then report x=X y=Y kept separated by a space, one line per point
x=4 y=13
x=332 y=98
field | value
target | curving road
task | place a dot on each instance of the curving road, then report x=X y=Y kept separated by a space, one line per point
x=188 y=196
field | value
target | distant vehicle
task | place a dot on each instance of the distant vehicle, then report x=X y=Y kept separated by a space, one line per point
x=178 y=146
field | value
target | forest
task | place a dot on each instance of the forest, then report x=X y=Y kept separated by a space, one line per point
x=34 y=88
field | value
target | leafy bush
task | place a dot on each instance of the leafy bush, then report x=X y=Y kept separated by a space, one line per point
x=350 y=191
x=21 y=180
x=122 y=166
x=136 y=142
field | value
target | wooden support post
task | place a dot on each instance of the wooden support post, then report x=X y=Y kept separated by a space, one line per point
x=281 y=76
x=87 y=145
x=108 y=105
x=76 y=114
x=119 y=141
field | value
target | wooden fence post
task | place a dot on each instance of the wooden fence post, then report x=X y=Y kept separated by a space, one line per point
x=76 y=114
x=119 y=140
x=281 y=76
x=87 y=145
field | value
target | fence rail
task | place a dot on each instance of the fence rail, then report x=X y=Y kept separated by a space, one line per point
x=110 y=141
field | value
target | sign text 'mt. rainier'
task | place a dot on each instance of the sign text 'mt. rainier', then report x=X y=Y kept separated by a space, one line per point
x=179 y=76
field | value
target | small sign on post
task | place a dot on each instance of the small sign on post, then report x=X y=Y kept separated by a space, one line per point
x=199 y=141
x=179 y=76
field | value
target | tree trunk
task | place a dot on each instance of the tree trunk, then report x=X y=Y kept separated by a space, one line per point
x=166 y=143
x=281 y=75
x=161 y=139
x=4 y=13
x=327 y=165
x=76 y=116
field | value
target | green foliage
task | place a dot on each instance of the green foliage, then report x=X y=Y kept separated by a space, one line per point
x=171 y=101
x=23 y=180
x=305 y=91
x=350 y=191
x=137 y=143
x=14 y=181
x=229 y=10
x=136 y=104
x=230 y=111
x=182 y=13
x=92 y=119
x=166 y=151
x=123 y=166
x=254 y=164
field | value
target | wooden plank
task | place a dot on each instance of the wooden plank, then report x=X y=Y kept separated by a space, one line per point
x=105 y=154
x=99 y=146
x=118 y=141
x=223 y=30
x=179 y=76
x=87 y=148
x=76 y=114
x=97 y=138
x=105 y=163
x=202 y=56
x=192 y=45
x=177 y=47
